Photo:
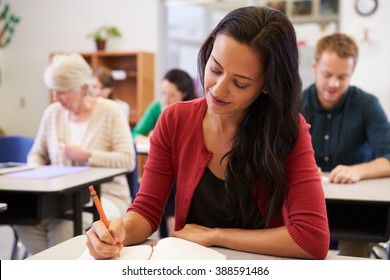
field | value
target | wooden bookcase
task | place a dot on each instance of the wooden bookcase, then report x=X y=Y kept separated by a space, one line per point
x=137 y=89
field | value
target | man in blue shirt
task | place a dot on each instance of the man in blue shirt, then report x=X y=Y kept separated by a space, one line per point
x=350 y=131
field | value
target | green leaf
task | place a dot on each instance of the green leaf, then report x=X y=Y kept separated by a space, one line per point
x=5 y=11
x=113 y=31
x=103 y=32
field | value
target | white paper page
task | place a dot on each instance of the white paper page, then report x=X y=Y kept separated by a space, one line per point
x=172 y=248
x=137 y=252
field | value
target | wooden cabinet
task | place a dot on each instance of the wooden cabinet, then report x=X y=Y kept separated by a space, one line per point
x=137 y=88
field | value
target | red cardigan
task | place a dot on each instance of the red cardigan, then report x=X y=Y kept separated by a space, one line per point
x=177 y=151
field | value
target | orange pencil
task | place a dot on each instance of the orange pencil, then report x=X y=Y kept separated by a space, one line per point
x=99 y=208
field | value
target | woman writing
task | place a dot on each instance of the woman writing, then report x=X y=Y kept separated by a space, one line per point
x=251 y=183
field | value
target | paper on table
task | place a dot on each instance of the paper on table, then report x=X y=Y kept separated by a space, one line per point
x=172 y=248
x=10 y=167
x=169 y=248
x=48 y=171
x=137 y=252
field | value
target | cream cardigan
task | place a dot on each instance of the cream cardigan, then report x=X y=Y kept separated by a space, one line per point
x=107 y=137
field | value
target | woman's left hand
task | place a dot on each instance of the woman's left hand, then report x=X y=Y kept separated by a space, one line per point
x=196 y=233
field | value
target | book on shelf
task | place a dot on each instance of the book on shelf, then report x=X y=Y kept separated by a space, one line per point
x=170 y=248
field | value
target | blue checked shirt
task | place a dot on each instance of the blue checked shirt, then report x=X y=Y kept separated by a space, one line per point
x=355 y=131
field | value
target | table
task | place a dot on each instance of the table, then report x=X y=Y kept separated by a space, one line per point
x=359 y=211
x=32 y=200
x=74 y=247
x=142 y=148
x=142 y=156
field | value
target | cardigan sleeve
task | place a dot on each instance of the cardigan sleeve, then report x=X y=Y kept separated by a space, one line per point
x=304 y=210
x=116 y=134
x=158 y=175
x=39 y=151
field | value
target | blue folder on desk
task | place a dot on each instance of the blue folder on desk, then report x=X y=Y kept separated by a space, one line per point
x=48 y=171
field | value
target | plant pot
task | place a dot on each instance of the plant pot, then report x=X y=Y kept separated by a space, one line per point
x=101 y=45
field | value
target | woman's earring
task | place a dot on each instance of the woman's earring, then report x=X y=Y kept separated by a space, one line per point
x=264 y=92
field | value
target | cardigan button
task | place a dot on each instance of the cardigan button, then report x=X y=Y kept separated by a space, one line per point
x=326 y=158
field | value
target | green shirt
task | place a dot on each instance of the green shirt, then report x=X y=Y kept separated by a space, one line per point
x=148 y=120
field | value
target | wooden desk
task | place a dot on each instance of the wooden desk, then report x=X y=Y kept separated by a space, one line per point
x=359 y=211
x=74 y=247
x=32 y=200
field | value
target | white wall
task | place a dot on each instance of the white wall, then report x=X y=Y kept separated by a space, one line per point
x=373 y=69
x=62 y=25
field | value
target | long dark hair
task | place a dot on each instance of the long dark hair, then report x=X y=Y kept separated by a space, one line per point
x=183 y=82
x=269 y=129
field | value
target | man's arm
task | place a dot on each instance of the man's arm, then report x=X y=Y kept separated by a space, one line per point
x=376 y=168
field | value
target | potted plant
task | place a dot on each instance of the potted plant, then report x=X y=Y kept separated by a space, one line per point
x=101 y=34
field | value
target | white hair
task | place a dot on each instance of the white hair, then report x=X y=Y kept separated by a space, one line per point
x=67 y=72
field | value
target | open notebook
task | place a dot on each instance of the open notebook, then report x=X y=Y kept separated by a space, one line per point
x=169 y=248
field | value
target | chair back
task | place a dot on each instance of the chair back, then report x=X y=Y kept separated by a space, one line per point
x=15 y=148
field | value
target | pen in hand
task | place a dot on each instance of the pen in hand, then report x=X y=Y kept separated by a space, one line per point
x=99 y=208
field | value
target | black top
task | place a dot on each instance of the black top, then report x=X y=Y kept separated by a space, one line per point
x=210 y=206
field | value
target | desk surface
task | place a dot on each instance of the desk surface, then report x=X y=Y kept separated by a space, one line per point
x=374 y=190
x=73 y=248
x=51 y=197
x=143 y=148
x=91 y=175
x=359 y=211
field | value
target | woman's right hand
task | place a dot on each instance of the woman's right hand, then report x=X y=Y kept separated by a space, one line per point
x=106 y=243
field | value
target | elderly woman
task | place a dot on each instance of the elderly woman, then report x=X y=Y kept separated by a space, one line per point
x=79 y=130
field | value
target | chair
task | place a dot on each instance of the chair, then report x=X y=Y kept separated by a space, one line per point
x=15 y=149
x=381 y=250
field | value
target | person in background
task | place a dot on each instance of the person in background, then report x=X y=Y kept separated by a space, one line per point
x=350 y=131
x=103 y=85
x=79 y=130
x=2 y=132
x=177 y=85
x=246 y=177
